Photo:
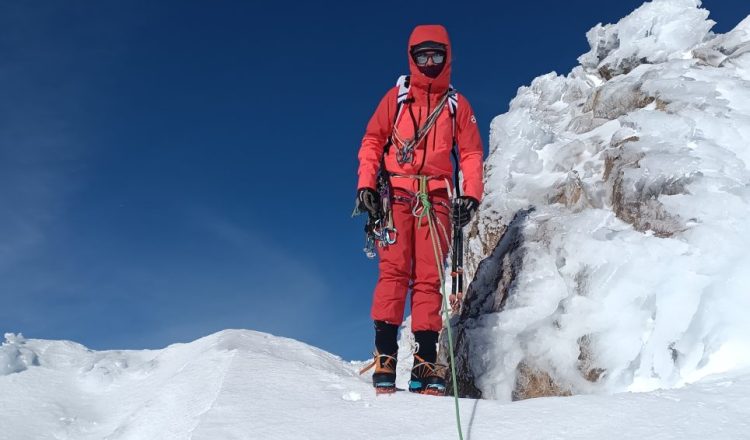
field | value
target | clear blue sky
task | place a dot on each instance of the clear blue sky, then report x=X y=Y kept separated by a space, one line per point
x=171 y=169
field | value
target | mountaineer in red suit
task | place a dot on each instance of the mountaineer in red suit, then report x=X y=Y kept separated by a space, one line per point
x=409 y=139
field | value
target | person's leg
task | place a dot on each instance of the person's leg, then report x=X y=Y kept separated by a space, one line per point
x=426 y=293
x=386 y=350
x=427 y=298
x=389 y=298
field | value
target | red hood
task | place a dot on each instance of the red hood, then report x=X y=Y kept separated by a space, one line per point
x=438 y=34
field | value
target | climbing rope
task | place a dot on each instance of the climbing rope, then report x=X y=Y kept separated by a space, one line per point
x=426 y=211
x=405 y=146
x=422 y=206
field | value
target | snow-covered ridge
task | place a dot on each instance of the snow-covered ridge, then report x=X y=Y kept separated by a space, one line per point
x=209 y=388
x=633 y=269
x=240 y=384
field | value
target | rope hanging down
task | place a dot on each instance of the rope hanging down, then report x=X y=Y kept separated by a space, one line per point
x=439 y=260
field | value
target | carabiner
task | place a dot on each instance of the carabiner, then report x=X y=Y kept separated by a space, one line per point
x=388 y=236
x=405 y=155
x=369 y=248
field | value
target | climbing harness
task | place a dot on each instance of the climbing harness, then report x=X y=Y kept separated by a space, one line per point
x=379 y=232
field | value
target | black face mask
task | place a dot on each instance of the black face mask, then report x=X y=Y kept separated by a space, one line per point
x=431 y=71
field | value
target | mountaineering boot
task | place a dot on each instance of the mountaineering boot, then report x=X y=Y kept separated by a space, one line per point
x=385 y=358
x=384 y=377
x=427 y=377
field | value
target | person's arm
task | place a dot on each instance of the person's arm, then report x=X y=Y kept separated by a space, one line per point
x=470 y=150
x=378 y=130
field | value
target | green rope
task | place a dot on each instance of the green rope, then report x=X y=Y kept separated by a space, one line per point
x=424 y=207
x=424 y=200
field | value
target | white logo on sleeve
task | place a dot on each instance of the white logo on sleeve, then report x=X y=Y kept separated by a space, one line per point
x=473 y=119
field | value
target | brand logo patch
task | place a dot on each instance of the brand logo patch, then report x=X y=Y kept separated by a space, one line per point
x=473 y=119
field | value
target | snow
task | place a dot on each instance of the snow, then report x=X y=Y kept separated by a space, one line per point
x=240 y=384
x=634 y=266
x=635 y=258
x=14 y=357
x=656 y=32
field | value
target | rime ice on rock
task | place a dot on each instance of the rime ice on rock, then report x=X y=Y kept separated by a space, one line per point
x=656 y=32
x=634 y=267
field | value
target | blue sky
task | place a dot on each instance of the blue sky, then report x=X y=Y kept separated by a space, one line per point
x=171 y=169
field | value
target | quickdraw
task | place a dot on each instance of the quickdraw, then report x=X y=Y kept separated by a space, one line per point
x=375 y=232
x=385 y=235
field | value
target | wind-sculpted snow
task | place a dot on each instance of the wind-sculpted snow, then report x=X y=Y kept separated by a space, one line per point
x=173 y=393
x=240 y=384
x=635 y=264
x=14 y=356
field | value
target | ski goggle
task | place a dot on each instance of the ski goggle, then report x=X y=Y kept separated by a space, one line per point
x=421 y=57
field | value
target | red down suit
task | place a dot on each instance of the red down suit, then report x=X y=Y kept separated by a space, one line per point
x=410 y=262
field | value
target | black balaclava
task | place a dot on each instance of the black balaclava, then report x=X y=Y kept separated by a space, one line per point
x=434 y=70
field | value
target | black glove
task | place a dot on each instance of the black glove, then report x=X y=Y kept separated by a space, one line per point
x=463 y=210
x=368 y=200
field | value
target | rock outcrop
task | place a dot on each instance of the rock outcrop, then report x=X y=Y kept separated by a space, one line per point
x=610 y=248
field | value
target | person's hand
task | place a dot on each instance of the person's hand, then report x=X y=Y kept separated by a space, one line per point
x=463 y=209
x=369 y=201
x=455 y=301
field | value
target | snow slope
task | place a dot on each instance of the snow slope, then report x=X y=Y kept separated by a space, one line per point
x=633 y=276
x=634 y=264
x=240 y=384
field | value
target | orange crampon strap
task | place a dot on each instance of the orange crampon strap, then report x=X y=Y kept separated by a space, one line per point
x=374 y=362
x=434 y=369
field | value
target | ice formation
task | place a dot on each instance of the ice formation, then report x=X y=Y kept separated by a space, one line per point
x=632 y=270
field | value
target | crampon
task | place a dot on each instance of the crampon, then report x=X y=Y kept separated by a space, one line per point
x=384 y=377
x=427 y=378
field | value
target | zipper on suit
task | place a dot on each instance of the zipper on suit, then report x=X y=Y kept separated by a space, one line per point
x=427 y=138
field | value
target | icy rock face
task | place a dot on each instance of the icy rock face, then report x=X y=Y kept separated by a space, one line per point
x=632 y=270
x=656 y=32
